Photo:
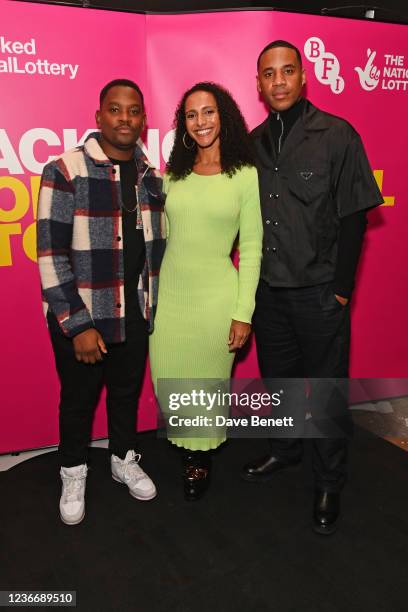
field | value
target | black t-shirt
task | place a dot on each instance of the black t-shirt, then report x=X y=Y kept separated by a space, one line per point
x=134 y=251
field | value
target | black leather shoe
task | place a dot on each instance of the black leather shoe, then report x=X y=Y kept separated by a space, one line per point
x=261 y=470
x=196 y=474
x=196 y=482
x=326 y=511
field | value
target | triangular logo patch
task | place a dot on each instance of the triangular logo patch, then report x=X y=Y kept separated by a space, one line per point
x=306 y=175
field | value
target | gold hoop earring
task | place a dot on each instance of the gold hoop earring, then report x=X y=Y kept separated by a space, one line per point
x=184 y=142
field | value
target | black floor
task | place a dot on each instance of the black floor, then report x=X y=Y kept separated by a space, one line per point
x=243 y=547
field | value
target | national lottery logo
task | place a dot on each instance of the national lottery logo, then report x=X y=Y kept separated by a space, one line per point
x=326 y=64
x=392 y=74
x=12 y=60
x=369 y=75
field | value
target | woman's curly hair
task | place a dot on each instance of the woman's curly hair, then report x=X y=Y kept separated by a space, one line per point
x=236 y=149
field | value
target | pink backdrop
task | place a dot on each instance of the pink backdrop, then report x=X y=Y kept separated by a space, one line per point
x=165 y=55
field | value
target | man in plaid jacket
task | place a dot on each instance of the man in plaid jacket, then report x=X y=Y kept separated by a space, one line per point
x=101 y=238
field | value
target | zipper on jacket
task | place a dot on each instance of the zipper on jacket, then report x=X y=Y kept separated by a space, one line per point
x=139 y=182
x=279 y=118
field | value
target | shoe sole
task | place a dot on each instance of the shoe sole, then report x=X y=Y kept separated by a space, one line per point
x=192 y=499
x=72 y=522
x=262 y=479
x=324 y=531
x=133 y=494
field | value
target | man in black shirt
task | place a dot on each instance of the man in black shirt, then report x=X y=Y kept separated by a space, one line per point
x=315 y=186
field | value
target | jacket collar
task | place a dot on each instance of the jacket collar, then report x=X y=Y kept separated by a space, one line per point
x=312 y=119
x=94 y=151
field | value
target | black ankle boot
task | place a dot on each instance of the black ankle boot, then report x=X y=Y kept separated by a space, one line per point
x=196 y=473
x=326 y=512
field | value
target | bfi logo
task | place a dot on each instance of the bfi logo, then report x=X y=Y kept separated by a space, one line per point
x=326 y=64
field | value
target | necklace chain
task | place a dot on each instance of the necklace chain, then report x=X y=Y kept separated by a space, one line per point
x=137 y=201
x=136 y=207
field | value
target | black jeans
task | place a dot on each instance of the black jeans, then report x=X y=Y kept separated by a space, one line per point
x=121 y=370
x=305 y=333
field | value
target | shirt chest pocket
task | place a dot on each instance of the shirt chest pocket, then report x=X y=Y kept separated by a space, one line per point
x=309 y=183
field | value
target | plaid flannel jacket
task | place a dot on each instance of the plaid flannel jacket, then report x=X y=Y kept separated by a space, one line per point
x=79 y=246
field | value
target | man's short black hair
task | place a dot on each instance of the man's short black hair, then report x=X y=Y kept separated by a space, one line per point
x=120 y=83
x=279 y=43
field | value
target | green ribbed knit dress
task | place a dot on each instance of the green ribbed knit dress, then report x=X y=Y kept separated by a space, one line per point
x=200 y=290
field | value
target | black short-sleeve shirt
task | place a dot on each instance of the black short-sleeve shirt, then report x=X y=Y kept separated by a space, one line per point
x=320 y=176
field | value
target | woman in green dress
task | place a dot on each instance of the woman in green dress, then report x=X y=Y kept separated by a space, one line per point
x=205 y=304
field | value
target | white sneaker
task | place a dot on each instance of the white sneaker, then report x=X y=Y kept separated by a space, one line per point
x=129 y=472
x=72 y=502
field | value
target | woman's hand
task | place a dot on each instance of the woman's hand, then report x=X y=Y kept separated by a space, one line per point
x=239 y=334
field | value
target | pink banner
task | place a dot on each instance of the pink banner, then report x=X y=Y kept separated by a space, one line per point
x=50 y=80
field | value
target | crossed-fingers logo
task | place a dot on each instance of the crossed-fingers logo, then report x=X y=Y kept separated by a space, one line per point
x=369 y=75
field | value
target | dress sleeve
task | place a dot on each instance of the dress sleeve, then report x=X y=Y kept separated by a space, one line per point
x=166 y=181
x=250 y=246
x=166 y=184
x=356 y=188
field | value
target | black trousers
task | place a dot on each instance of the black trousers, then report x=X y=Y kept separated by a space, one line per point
x=304 y=333
x=121 y=370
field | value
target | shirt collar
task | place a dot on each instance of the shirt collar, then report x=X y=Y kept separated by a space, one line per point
x=93 y=149
x=314 y=119
x=291 y=114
